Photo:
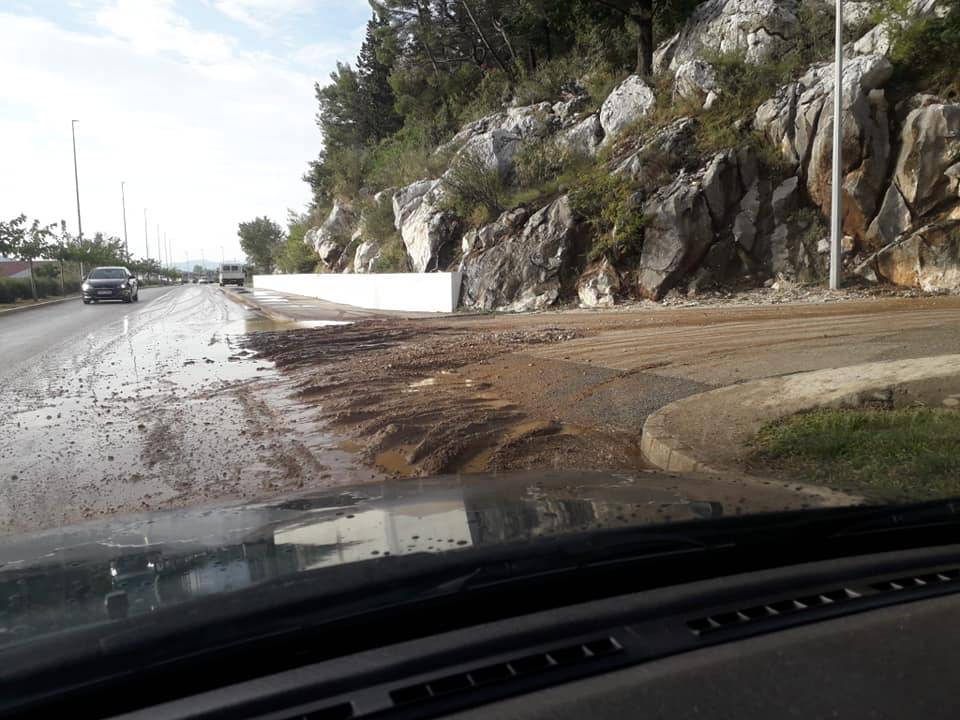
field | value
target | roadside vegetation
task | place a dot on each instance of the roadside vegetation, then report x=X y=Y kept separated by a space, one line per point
x=890 y=455
x=923 y=51
x=425 y=70
x=57 y=260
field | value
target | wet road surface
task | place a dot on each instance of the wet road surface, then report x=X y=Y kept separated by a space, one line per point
x=112 y=408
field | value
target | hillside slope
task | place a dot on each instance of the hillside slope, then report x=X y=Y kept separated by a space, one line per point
x=712 y=170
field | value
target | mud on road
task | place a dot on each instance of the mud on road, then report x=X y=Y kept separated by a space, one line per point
x=568 y=389
x=188 y=398
x=417 y=398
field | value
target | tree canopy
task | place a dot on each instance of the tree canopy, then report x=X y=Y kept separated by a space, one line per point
x=427 y=66
x=260 y=239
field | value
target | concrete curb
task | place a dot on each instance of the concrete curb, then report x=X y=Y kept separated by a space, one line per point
x=667 y=450
x=20 y=308
x=708 y=432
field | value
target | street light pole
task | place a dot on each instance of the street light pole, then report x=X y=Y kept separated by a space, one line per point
x=836 y=211
x=123 y=201
x=76 y=176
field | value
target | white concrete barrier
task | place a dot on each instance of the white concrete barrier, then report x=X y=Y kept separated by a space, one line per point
x=415 y=292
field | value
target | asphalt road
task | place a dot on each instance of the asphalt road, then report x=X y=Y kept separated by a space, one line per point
x=113 y=407
x=26 y=334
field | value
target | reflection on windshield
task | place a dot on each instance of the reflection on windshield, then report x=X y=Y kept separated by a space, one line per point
x=93 y=573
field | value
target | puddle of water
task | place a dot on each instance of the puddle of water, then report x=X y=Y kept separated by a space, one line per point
x=395 y=460
x=259 y=323
x=350 y=446
x=444 y=378
x=426 y=382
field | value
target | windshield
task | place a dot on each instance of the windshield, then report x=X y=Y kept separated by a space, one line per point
x=498 y=271
x=108 y=273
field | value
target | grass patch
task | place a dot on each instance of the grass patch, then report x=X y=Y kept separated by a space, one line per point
x=909 y=454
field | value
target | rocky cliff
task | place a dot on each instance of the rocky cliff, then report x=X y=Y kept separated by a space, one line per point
x=745 y=213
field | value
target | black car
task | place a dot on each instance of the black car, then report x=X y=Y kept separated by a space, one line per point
x=110 y=283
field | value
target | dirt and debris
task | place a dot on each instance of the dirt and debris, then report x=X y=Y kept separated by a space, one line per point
x=561 y=389
x=418 y=394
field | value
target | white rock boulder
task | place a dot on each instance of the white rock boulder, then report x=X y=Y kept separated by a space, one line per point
x=760 y=29
x=696 y=80
x=515 y=269
x=598 y=285
x=630 y=100
x=428 y=232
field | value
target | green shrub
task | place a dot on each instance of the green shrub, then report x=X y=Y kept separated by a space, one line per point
x=611 y=206
x=474 y=191
x=924 y=53
x=10 y=290
x=393 y=257
x=601 y=44
x=491 y=94
x=549 y=80
x=404 y=158
x=539 y=161
x=14 y=289
x=378 y=221
x=296 y=256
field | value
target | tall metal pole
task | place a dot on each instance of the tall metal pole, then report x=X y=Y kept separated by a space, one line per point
x=159 y=247
x=146 y=235
x=76 y=176
x=123 y=201
x=836 y=211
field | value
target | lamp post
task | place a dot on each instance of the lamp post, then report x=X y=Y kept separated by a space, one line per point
x=836 y=211
x=123 y=202
x=76 y=176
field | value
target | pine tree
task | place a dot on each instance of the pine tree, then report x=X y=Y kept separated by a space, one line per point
x=379 y=118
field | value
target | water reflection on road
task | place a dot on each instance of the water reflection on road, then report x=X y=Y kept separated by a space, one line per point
x=156 y=408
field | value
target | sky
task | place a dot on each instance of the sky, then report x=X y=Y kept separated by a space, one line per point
x=205 y=109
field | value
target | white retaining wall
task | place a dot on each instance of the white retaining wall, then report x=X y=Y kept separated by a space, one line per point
x=415 y=292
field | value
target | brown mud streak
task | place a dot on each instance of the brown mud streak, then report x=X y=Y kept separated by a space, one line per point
x=417 y=398
x=508 y=392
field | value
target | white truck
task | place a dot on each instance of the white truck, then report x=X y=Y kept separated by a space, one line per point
x=232 y=275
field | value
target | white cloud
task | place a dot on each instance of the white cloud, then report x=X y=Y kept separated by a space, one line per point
x=152 y=26
x=326 y=55
x=262 y=15
x=205 y=134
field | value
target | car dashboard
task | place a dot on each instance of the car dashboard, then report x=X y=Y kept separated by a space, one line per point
x=869 y=636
